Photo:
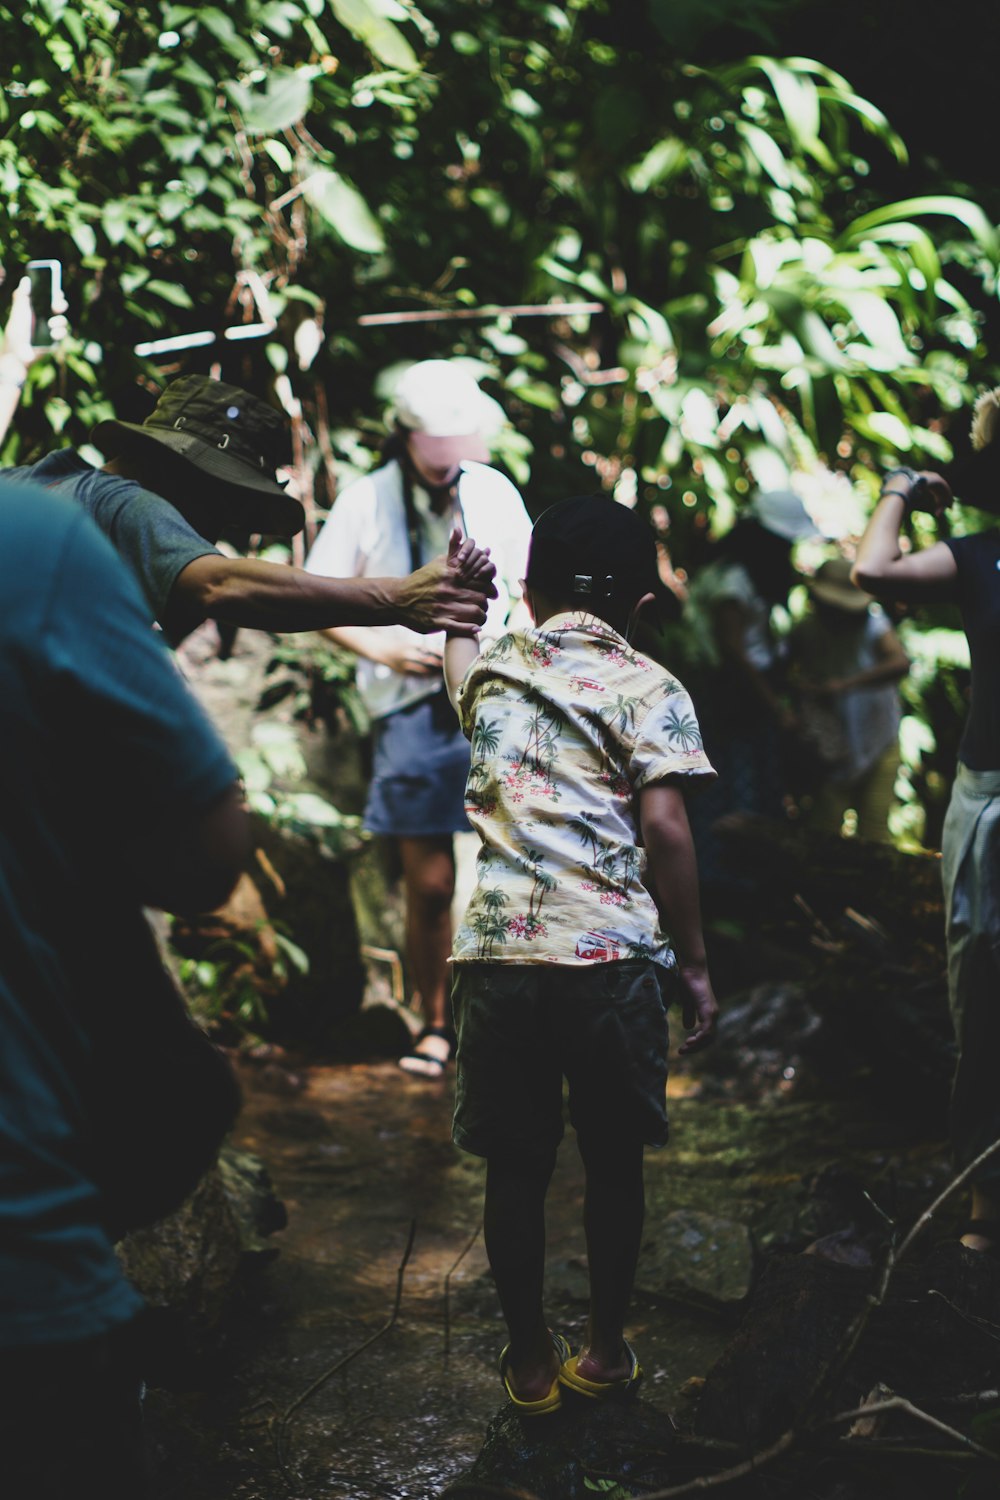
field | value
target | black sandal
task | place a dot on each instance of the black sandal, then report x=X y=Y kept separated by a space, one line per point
x=431 y=1064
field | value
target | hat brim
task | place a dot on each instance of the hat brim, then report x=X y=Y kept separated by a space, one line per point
x=852 y=600
x=263 y=504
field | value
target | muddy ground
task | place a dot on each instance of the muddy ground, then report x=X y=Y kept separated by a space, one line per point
x=359 y=1153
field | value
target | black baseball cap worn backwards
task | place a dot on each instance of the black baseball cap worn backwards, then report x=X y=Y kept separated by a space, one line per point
x=596 y=551
x=227 y=434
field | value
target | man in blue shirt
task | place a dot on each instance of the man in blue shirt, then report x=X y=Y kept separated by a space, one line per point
x=118 y=794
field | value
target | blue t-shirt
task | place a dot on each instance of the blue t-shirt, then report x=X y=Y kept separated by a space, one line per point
x=147 y=531
x=102 y=743
x=977 y=559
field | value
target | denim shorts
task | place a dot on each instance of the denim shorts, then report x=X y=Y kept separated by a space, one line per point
x=420 y=767
x=523 y=1028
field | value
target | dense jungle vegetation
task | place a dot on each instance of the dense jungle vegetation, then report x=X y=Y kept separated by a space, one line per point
x=692 y=248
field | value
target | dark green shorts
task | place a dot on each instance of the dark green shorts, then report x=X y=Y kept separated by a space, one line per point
x=523 y=1028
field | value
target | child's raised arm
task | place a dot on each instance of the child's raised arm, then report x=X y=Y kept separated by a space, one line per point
x=672 y=877
x=473 y=565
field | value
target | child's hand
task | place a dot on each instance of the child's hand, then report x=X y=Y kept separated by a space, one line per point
x=472 y=564
x=699 y=1008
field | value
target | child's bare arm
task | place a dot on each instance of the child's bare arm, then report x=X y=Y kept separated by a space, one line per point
x=473 y=565
x=459 y=654
x=672 y=875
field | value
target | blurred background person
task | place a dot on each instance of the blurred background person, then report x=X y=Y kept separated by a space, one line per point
x=735 y=672
x=434 y=477
x=845 y=666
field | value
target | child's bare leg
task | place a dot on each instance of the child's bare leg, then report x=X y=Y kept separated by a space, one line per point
x=612 y=1219
x=514 y=1231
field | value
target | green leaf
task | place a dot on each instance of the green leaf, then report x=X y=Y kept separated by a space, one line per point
x=885 y=428
x=344 y=209
x=280 y=155
x=369 y=21
x=797 y=96
x=969 y=214
x=286 y=98
x=878 y=324
x=871 y=117
x=765 y=149
x=84 y=238
x=465 y=43
x=661 y=163
x=168 y=292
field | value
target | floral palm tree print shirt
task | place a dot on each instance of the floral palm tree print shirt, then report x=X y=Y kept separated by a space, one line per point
x=567 y=724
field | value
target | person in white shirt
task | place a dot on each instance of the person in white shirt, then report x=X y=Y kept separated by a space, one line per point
x=433 y=479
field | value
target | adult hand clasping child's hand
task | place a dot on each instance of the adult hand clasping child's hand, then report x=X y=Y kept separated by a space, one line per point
x=472 y=563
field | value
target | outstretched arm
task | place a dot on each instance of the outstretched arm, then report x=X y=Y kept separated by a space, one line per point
x=442 y=595
x=460 y=651
x=882 y=568
x=672 y=876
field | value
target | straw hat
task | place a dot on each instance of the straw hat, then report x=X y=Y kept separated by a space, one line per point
x=831 y=584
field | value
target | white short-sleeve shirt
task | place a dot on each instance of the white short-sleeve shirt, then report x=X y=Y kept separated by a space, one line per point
x=365 y=536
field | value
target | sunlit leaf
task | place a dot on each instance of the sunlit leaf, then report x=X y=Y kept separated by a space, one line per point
x=661 y=163
x=967 y=213
x=765 y=149
x=371 y=21
x=344 y=209
x=284 y=100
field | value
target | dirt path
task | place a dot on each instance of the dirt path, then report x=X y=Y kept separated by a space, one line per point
x=358 y=1153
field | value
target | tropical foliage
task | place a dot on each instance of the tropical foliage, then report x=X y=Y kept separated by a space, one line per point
x=205 y=171
x=674 y=271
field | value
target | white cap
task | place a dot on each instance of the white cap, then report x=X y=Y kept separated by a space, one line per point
x=441 y=399
x=782 y=512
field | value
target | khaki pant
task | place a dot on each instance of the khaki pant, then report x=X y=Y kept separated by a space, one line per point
x=971 y=875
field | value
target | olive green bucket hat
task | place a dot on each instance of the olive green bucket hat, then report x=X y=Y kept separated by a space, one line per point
x=227 y=434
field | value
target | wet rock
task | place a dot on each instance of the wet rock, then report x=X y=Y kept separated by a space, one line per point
x=250 y=1192
x=769 y=1038
x=934 y=1338
x=801 y=1309
x=585 y=1448
x=844 y=1246
x=187 y=1266
x=699 y=1257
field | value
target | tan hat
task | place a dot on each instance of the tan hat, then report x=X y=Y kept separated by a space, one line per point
x=831 y=584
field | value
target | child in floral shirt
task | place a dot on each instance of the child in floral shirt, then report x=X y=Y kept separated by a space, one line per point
x=583 y=925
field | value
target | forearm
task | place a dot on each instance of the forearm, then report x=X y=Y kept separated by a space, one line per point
x=881 y=566
x=271 y=596
x=361 y=639
x=672 y=877
x=879 y=549
x=459 y=654
x=877 y=676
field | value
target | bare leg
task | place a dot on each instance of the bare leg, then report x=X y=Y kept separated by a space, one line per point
x=429 y=884
x=612 y=1218
x=514 y=1232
